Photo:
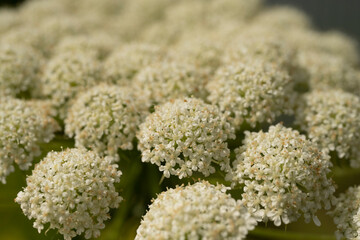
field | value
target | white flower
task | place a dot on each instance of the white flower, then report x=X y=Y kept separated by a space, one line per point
x=23 y=125
x=105 y=118
x=123 y=64
x=282 y=18
x=98 y=44
x=253 y=92
x=346 y=214
x=329 y=71
x=284 y=175
x=73 y=191
x=163 y=81
x=184 y=136
x=198 y=211
x=19 y=66
x=332 y=119
x=66 y=75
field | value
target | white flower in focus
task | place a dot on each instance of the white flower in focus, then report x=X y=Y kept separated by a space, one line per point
x=346 y=214
x=23 y=125
x=284 y=176
x=185 y=136
x=105 y=118
x=331 y=118
x=252 y=93
x=198 y=211
x=73 y=191
x=68 y=74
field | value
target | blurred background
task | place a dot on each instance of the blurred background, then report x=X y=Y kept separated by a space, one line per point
x=325 y=14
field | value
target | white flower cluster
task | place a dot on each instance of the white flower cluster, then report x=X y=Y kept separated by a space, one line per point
x=184 y=136
x=346 y=214
x=73 y=191
x=19 y=66
x=283 y=18
x=22 y=127
x=68 y=74
x=252 y=93
x=332 y=119
x=198 y=211
x=284 y=176
x=97 y=44
x=203 y=53
x=169 y=80
x=105 y=118
x=123 y=64
x=329 y=71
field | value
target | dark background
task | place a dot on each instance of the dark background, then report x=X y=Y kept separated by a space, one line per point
x=343 y=15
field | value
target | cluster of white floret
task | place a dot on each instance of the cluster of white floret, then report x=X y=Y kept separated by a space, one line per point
x=198 y=211
x=180 y=81
x=184 y=136
x=73 y=191
x=284 y=175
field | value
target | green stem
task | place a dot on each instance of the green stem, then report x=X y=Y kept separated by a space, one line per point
x=274 y=234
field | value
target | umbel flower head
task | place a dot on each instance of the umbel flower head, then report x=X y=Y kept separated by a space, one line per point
x=332 y=119
x=184 y=136
x=253 y=92
x=123 y=64
x=198 y=211
x=68 y=74
x=19 y=66
x=346 y=214
x=105 y=118
x=163 y=81
x=99 y=45
x=72 y=191
x=329 y=71
x=22 y=128
x=284 y=175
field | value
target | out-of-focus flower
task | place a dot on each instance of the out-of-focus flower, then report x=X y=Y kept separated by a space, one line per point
x=346 y=214
x=163 y=81
x=123 y=64
x=23 y=125
x=331 y=118
x=19 y=67
x=68 y=74
x=254 y=92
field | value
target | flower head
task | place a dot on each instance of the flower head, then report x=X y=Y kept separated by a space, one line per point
x=163 y=81
x=331 y=118
x=99 y=45
x=284 y=175
x=23 y=125
x=184 y=136
x=198 y=211
x=105 y=118
x=68 y=74
x=72 y=191
x=19 y=66
x=346 y=214
x=252 y=93
x=123 y=64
